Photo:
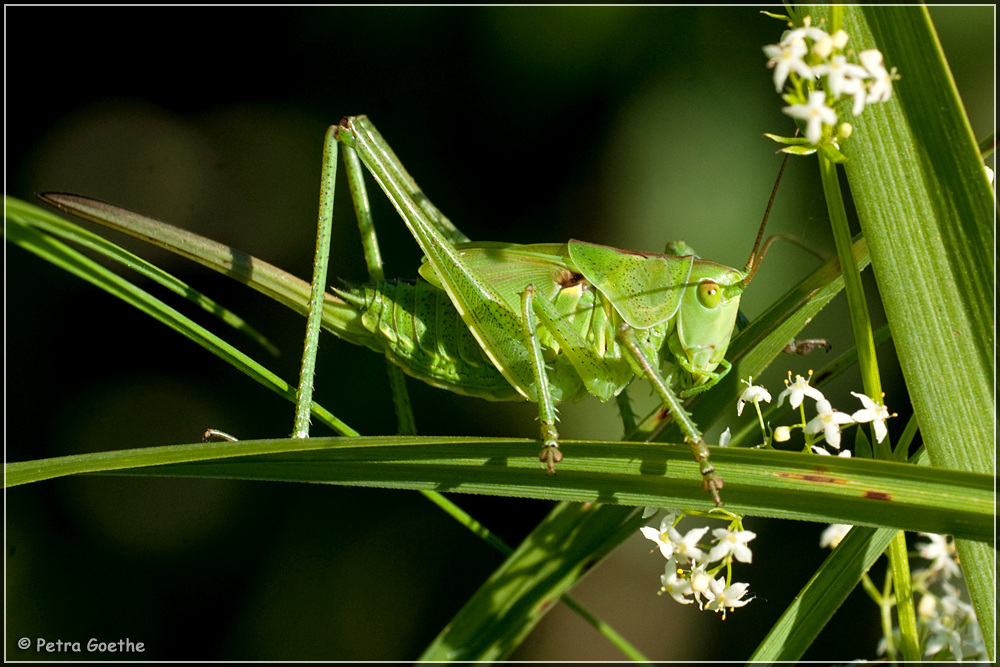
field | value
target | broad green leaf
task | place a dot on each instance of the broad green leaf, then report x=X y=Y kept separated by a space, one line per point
x=927 y=210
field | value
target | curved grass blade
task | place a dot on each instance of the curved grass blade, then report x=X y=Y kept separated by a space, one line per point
x=266 y=278
x=79 y=265
x=53 y=224
x=823 y=594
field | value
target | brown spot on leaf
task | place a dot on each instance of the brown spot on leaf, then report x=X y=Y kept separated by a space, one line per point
x=822 y=479
x=878 y=495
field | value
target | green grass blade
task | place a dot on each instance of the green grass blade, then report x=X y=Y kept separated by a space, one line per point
x=63 y=256
x=823 y=595
x=53 y=224
x=267 y=279
x=568 y=543
x=762 y=483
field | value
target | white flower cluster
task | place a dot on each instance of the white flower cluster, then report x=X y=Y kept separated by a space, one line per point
x=827 y=420
x=947 y=624
x=689 y=575
x=817 y=72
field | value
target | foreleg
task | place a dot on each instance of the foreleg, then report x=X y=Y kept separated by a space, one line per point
x=710 y=481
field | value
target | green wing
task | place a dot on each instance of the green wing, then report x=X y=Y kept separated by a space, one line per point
x=509 y=268
x=645 y=288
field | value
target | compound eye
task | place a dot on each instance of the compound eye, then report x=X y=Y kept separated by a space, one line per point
x=709 y=294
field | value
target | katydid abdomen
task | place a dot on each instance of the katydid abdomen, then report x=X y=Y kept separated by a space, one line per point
x=416 y=326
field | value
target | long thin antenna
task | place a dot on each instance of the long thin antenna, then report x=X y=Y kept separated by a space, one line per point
x=754 y=260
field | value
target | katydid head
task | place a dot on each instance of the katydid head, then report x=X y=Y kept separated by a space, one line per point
x=707 y=315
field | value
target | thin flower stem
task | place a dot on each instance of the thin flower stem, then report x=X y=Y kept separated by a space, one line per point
x=869 y=586
x=885 y=606
x=905 y=611
x=836 y=18
x=609 y=633
x=760 y=418
x=860 y=320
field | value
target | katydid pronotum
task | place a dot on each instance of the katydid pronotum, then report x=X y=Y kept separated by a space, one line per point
x=505 y=322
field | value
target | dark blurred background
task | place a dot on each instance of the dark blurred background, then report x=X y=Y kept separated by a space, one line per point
x=623 y=126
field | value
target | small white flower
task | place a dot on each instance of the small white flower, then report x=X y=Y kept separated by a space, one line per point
x=782 y=434
x=805 y=32
x=797 y=390
x=725 y=438
x=859 y=101
x=662 y=536
x=927 y=607
x=833 y=534
x=687 y=546
x=872 y=412
x=871 y=60
x=953 y=604
x=843 y=78
x=752 y=394
x=671 y=583
x=840 y=39
x=726 y=597
x=941 y=554
x=787 y=58
x=881 y=88
x=815 y=113
x=731 y=542
x=701 y=584
x=829 y=421
x=941 y=637
x=825 y=46
x=846 y=454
